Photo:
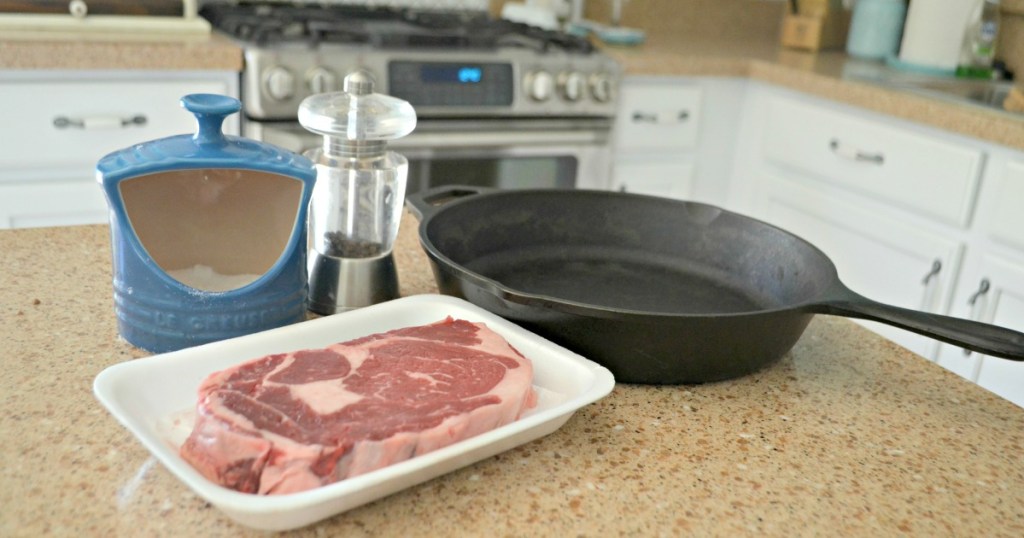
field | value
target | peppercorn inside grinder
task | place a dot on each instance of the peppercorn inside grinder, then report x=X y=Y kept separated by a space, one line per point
x=208 y=233
x=359 y=194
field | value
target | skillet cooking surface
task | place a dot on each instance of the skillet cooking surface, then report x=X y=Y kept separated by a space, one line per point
x=625 y=279
x=632 y=253
x=658 y=290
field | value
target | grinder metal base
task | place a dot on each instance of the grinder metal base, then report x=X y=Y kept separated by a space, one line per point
x=341 y=284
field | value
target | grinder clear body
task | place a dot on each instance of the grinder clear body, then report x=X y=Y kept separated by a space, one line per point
x=356 y=206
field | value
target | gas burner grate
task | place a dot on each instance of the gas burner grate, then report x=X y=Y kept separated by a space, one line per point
x=269 y=24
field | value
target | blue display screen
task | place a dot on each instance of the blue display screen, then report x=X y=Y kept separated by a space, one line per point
x=470 y=74
x=459 y=74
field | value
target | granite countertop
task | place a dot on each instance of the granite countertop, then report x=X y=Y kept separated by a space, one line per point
x=112 y=51
x=847 y=435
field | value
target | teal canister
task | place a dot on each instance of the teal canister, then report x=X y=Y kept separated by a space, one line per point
x=208 y=233
x=876 y=29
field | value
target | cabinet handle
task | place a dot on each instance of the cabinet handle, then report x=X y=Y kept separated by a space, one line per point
x=855 y=154
x=933 y=272
x=650 y=117
x=983 y=288
x=645 y=117
x=928 y=296
x=99 y=122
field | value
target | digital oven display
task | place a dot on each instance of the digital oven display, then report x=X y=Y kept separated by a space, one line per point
x=452 y=84
x=460 y=74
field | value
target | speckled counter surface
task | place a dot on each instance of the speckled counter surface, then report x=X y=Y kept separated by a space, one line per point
x=846 y=435
x=52 y=50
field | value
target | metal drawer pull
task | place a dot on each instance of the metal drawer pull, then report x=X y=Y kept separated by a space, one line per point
x=983 y=288
x=934 y=272
x=98 y=122
x=645 y=117
x=650 y=117
x=855 y=154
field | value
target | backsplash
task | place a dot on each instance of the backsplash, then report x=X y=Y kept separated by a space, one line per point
x=745 y=20
x=1011 y=38
x=753 y=20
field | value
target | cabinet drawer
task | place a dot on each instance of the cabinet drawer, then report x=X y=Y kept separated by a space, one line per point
x=52 y=203
x=658 y=177
x=32 y=110
x=658 y=117
x=1007 y=223
x=932 y=177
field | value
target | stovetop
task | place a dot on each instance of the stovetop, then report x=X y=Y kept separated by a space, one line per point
x=262 y=24
x=445 y=63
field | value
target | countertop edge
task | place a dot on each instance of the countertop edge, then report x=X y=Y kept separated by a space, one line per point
x=800 y=71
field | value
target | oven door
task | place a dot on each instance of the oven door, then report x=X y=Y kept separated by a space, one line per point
x=502 y=153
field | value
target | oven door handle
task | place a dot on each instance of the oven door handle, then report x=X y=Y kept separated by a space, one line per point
x=449 y=140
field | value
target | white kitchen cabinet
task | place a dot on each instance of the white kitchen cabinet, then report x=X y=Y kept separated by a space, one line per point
x=656 y=175
x=891 y=204
x=674 y=136
x=889 y=201
x=913 y=171
x=59 y=124
x=997 y=297
x=876 y=254
x=992 y=287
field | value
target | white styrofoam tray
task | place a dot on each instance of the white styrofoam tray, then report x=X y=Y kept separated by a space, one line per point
x=155 y=399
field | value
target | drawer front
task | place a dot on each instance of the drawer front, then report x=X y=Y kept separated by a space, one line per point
x=1007 y=223
x=906 y=169
x=657 y=177
x=58 y=124
x=52 y=203
x=658 y=117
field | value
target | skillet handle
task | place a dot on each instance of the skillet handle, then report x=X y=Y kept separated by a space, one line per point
x=425 y=204
x=973 y=335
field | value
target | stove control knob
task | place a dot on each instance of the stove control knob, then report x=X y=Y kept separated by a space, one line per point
x=539 y=85
x=279 y=83
x=601 y=87
x=321 y=80
x=572 y=85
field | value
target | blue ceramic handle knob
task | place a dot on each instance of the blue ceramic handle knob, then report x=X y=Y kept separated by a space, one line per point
x=210 y=110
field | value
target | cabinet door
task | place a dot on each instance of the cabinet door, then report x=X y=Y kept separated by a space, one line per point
x=877 y=255
x=992 y=294
x=655 y=175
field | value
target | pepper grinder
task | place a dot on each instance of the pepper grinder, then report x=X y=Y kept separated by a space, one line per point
x=357 y=201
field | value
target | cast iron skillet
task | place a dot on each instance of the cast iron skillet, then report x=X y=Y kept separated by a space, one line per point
x=657 y=290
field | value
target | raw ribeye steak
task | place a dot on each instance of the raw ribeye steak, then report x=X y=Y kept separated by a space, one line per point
x=294 y=421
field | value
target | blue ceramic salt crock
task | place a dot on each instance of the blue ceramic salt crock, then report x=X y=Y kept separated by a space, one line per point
x=208 y=233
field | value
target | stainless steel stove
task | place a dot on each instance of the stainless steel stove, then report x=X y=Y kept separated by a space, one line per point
x=499 y=103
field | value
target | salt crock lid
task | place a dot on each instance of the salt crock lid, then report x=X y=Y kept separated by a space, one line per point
x=208 y=147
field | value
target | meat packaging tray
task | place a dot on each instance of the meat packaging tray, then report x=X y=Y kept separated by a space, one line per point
x=155 y=399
